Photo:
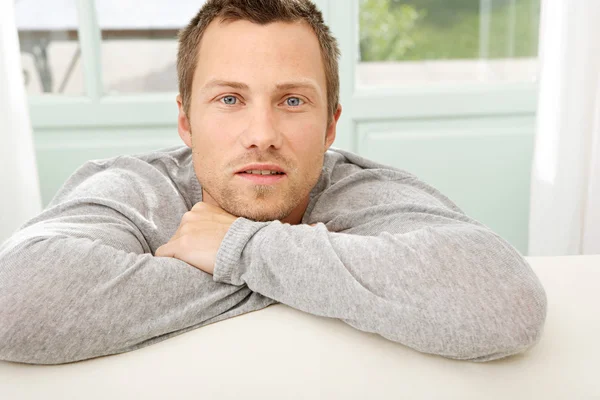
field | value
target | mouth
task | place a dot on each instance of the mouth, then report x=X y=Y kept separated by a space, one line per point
x=262 y=179
x=262 y=173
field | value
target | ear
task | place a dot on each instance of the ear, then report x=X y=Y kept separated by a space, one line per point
x=331 y=129
x=183 y=124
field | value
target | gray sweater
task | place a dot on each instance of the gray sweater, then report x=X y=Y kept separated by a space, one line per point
x=390 y=255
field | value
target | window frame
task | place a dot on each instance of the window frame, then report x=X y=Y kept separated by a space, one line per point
x=360 y=104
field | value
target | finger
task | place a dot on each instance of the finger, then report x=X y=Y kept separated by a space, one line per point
x=167 y=250
x=184 y=226
x=202 y=206
x=177 y=234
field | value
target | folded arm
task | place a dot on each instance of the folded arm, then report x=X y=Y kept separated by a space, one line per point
x=447 y=287
x=79 y=281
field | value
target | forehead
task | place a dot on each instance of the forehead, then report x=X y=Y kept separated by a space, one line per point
x=259 y=54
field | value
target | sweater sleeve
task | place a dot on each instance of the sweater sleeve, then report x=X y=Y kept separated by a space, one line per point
x=401 y=263
x=80 y=281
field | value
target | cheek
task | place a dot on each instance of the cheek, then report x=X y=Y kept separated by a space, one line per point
x=308 y=145
x=215 y=131
x=207 y=145
x=306 y=135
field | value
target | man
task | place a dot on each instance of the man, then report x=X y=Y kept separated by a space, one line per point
x=257 y=209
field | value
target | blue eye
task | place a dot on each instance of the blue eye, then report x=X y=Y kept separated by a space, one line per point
x=229 y=100
x=293 y=101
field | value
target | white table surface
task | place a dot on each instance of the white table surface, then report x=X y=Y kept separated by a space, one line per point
x=282 y=353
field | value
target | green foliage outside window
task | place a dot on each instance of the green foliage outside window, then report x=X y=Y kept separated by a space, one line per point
x=386 y=30
x=401 y=30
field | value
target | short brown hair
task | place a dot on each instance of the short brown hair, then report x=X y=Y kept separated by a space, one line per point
x=260 y=12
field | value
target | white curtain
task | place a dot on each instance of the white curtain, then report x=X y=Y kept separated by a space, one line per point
x=565 y=186
x=19 y=187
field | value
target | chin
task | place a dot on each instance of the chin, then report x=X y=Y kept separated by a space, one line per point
x=261 y=219
x=261 y=216
x=268 y=212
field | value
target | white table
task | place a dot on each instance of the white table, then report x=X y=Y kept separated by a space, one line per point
x=281 y=353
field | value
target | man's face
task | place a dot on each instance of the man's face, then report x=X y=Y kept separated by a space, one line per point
x=258 y=97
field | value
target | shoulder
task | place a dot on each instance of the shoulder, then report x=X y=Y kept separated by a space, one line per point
x=350 y=182
x=165 y=161
x=157 y=173
x=342 y=164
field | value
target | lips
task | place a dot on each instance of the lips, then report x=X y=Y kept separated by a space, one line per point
x=261 y=167
x=262 y=179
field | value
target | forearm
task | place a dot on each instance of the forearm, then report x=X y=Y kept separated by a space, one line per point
x=69 y=299
x=458 y=290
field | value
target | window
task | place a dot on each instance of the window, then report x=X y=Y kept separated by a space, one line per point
x=50 y=51
x=416 y=42
x=139 y=43
x=137 y=53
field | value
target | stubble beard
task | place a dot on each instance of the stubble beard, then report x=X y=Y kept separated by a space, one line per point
x=263 y=204
x=257 y=206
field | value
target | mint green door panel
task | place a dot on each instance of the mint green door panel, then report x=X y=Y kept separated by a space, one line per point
x=483 y=165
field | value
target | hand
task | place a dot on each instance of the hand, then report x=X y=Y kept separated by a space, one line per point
x=199 y=236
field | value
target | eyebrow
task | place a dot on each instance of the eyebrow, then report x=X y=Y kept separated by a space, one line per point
x=305 y=84
x=298 y=85
x=221 y=83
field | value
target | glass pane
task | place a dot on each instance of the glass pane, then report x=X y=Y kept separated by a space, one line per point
x=416 y=42
x=139 y=43
x=50 y=53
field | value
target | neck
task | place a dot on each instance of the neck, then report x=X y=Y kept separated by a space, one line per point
x=295 y=217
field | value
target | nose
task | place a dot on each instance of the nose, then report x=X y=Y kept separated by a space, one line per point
x=261 y=131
